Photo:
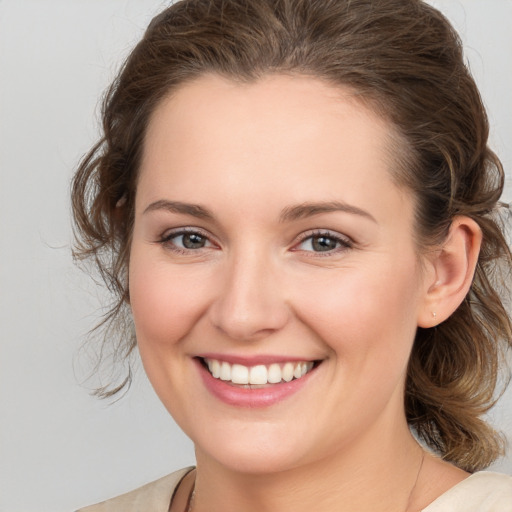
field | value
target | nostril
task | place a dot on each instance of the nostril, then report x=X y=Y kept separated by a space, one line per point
x=246 y=323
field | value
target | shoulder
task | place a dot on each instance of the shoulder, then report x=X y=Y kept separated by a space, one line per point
x=481 y=492
x=152 y=497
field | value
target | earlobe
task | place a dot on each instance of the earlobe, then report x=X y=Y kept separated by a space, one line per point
x=452 y=270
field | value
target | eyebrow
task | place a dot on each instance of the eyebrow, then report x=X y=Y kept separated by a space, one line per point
x=194 y=210
x=288 y=214
x=303 y=210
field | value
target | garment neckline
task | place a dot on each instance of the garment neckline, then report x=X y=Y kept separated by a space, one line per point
x=431 y=507
x=457 y=487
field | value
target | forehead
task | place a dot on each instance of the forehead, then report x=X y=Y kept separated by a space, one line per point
x=272 y=101
x=309 y=138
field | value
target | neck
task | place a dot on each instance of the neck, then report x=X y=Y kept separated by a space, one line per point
x=376 y=472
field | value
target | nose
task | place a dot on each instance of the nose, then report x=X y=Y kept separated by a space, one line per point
x=250 y=303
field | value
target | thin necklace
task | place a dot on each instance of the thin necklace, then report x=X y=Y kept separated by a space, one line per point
x=190 y=501
x=415 y=482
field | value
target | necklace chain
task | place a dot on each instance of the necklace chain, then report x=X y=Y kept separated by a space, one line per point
x=415 y=482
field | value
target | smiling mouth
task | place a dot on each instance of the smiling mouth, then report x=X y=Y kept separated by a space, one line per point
x=275 y=373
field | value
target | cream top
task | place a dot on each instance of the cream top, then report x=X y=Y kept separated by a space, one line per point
x=481 y=492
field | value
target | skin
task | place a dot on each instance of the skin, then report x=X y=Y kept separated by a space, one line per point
x=247 y=153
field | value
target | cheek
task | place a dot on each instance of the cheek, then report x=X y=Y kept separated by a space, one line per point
x=365 y=315
x=165 y=301
x=166 y=304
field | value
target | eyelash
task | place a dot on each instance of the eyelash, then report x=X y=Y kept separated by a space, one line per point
x=342 y=243
x=167 y=240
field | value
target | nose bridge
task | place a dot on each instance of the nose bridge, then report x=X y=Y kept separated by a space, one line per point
x=250 y=303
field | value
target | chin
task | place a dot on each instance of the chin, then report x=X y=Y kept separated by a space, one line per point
x=253 y=461
x=260 y=454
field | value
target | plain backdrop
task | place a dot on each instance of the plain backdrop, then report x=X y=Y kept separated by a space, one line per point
x=60 y=448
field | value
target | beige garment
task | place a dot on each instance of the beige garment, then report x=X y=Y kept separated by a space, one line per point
x=481 y=492
x=153 y=497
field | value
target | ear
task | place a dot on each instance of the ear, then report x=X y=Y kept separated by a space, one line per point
x=450 y=272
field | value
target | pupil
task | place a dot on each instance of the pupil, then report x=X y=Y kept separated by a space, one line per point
x=324 y=243
x=193 y=241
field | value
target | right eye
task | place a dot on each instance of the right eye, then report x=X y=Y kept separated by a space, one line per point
x=186 y=240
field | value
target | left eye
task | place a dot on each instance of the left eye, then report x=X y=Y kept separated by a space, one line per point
x=323 y=242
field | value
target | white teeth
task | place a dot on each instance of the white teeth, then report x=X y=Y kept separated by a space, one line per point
x=214 y=366
x=274 y=374
x=239 y=374
x=288 y=372
x=225 y=371
x=259 y=374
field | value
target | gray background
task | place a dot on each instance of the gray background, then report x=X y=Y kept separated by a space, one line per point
x=59 y=447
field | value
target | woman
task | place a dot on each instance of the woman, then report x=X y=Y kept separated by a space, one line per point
x=295 y=203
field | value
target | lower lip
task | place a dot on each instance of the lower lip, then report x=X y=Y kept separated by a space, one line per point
x=250 y=397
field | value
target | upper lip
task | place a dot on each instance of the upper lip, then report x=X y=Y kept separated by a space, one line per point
x=254 y=360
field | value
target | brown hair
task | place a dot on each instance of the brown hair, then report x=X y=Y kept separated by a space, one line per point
x=405 y=61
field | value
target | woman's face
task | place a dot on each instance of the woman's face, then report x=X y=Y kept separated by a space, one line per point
x=270 y=241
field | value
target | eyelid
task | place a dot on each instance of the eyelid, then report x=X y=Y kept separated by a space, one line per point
x=172 y=232
x=169 y=234
x=345 y=241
